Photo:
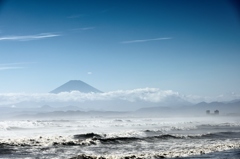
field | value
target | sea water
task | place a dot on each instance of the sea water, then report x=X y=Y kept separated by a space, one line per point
x=121 y=137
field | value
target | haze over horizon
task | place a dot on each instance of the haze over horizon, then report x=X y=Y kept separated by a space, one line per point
x=187 y=47
x=79 y=94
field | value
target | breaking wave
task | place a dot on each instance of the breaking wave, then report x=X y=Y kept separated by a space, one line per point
x=114 y=138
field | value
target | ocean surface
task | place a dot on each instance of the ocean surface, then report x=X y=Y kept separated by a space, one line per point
x=121 y=137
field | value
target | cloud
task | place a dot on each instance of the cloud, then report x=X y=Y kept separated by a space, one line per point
x=143 y=94
x=12 y=66
x=28 y=37
x=89 y=73
x=15 y=63
x=85 y=28
x=145 y=40
x=152 y=95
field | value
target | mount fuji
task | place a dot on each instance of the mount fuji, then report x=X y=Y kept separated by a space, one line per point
x=76 y=85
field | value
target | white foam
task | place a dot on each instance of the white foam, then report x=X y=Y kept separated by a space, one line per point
x=42 y=133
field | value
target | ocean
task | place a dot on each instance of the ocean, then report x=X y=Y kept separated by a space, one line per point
x=125 y=137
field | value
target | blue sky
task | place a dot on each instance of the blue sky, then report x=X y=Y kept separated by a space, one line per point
x=192 y=47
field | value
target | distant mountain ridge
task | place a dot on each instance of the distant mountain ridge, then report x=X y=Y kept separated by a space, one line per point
x=142 y=108
x=231 y=107
x=76 y=85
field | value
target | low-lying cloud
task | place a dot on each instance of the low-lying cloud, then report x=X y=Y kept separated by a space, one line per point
x=152 y=95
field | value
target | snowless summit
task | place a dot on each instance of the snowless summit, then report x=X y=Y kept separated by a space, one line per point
x=76 y=85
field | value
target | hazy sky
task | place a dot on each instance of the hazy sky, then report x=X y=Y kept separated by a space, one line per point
x=192 y=47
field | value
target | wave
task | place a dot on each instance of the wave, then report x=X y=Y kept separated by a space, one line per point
x=5 y=151
x=10 y=128
x=96 y=145
x=87 y=136
x=94 y=139
x=25 y=124
x=123 y=140
x=218 y=135
x=216 y=151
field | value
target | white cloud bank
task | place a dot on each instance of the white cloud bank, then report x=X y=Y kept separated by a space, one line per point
x=152 y=95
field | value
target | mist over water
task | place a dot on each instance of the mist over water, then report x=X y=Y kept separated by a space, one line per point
x=119 y=136
x=139 y=123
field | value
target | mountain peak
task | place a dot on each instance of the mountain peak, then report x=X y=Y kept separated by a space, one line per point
x=76 y=85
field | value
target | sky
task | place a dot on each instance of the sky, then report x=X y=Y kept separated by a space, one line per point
x=191 y=47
